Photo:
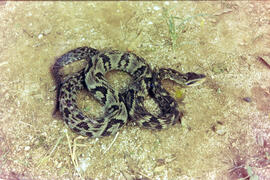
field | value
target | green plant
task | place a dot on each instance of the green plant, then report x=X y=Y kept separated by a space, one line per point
x=267 y=155
x=174 y=30
x=251 y=175
x=170 y=21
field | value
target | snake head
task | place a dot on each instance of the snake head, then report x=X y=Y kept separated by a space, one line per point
x=194 y=79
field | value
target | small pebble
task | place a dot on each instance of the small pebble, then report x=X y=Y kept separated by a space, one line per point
x=221 y=132
x=59 y=165
x=156 y=8
x=260 y=141
x=27 y=148
x=40 y=36
x=247 y=99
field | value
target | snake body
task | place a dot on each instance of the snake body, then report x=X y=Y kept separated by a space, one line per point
x=119 y=107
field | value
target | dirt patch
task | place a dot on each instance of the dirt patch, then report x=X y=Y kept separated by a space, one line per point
x=224 y=132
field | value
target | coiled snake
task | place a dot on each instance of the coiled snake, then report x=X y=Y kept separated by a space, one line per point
x=119 y=107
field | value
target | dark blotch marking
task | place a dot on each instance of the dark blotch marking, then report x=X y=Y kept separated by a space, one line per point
x=93 y=52
x=128 y=98
x=99 y=75
x=164 y=103
x=106 y=62
x=90 y=65
x=100 y=120
x=72 y=122
x=124 y=58
x=115 y=121
x=151 y=88
x=106 y=133
x=83 y=55
x=83 y=125
x=79 y=116
x=139 y=71
x=110 y=124
x=90 y=62
x=113 y=108
x=158 y=127
x=76 y=130
x=98 y=126
x=168 y=119
x=101 y=89
x=69 y=104
x=89 y=134
x=69 y=88
x=66 y=112
x=95 y=130
x=146 y=124
x=154 y=120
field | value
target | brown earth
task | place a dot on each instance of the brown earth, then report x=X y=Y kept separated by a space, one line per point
x=226 y=123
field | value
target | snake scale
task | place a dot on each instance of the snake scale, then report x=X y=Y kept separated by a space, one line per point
x=119 y=107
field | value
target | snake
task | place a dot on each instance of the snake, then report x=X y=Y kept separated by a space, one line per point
x=119 y=107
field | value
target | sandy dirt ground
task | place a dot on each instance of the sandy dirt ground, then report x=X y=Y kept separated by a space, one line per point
x=226 y=124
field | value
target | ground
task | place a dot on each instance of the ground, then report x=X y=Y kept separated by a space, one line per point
x=225 y=129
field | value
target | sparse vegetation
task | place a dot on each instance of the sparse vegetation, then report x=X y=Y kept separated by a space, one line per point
x=175 y=30
x=251 y=175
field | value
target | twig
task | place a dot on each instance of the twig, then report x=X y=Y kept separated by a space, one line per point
x=52 y=151
x=111 y=143
x=73 y=152
x=144 y=175
x=55 y=146
x=263 y=61
x=74 y=148
x=3 y=63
